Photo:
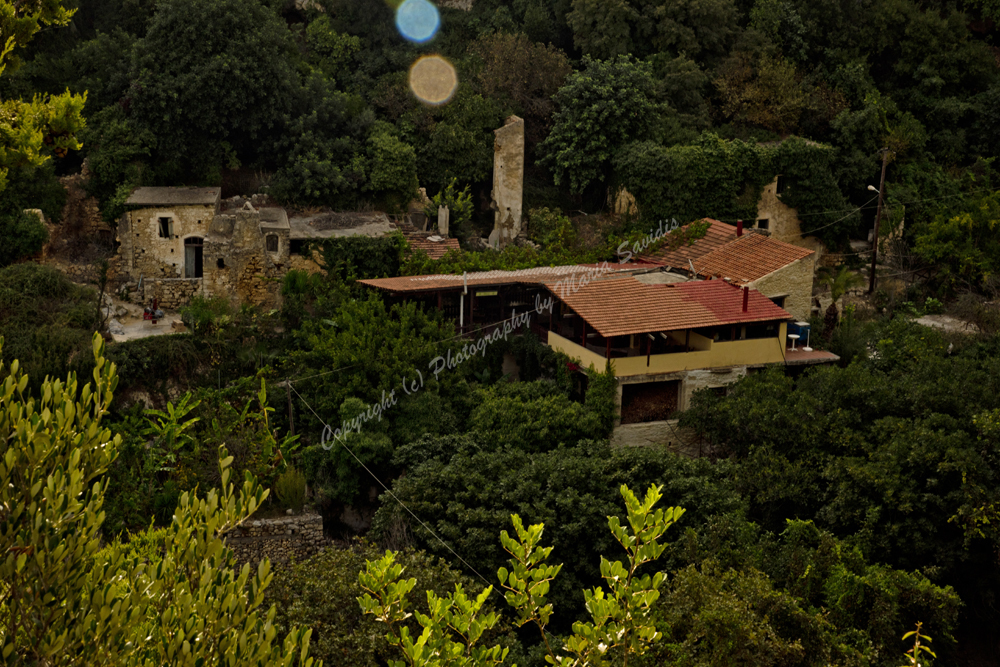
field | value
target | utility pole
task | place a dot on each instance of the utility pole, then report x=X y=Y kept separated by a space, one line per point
x=291 y=415
x=878 y=216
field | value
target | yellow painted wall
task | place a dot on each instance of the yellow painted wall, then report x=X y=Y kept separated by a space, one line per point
x=719 y=355
x=697 y=341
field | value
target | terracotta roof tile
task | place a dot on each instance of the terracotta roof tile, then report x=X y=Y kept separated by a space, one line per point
x=434 y=249
x=622 y=305
x=749 y=258
x=718 y=235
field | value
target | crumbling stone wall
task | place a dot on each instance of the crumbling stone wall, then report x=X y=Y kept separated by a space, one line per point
x=783 y=222
x=81 y=214
x=279 y=540
x=237 y=262
x=508 y=181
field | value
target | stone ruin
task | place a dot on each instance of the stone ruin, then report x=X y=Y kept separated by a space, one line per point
x=508 y=182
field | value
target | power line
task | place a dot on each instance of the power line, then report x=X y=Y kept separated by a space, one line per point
x=865 y=205
x=391 y=494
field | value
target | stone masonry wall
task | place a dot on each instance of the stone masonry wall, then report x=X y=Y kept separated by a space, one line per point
x=784 y=221
x=795 y=280
x=279 y=540
x=171 y=293
x=238 y=264
x=145 y=253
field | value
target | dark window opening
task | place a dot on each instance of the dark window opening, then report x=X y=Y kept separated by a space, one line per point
x=764 y=224
x=272 y=242
x=193 y=257
x=297 y=247
x=718 y=334
x=166 y=228
x=221 y=263
x=779 y=301
x=765 y=330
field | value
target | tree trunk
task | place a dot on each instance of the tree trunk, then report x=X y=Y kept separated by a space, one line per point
x=830 y=320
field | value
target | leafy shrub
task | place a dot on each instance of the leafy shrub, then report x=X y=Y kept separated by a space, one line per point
x=141 y=362
x=551 y=228
x=358 y=257
x=469 y=488
x=932 y=306
x=46 y=320
x=290 y=487
x=459 y=205
x=145 y=545
x=715 y=617
x=29 y=187
x=23 y=235
x=203 y=315
x=322 y=593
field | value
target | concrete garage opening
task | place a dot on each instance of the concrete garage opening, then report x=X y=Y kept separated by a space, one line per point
x=649 y=401
x=193 y=257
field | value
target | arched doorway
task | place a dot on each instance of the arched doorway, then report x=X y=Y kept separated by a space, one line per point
x=193 y=257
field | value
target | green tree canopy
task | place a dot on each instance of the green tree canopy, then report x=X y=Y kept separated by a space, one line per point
x=607 y=105
x=210 y=79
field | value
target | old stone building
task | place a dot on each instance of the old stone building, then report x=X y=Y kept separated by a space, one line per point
x=176 y=243
x=781 y=222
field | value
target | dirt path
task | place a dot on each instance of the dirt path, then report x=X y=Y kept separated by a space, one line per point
x=133 y=327
x=946 y=323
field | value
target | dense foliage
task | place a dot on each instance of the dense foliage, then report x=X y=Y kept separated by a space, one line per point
x=843 y=504
x=64 y=599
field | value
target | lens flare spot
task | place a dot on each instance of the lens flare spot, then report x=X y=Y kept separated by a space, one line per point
x=418 y=20
x=433 y=79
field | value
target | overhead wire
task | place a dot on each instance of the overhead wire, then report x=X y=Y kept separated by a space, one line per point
x=391 y=494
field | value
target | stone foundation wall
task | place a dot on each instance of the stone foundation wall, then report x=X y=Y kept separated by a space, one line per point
x=279 y=540
x=172 y=293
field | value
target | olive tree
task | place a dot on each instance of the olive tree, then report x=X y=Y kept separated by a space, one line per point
x=65 y=602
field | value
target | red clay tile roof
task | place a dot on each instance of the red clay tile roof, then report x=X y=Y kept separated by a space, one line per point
x=537 y=276
x=749 y=258
x=620 y=306
x=718 y=234
x=434 y=249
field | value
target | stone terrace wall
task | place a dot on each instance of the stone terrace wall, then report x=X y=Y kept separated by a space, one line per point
x=279 y=540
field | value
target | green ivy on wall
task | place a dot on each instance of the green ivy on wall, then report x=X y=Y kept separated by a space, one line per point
x=722 y=179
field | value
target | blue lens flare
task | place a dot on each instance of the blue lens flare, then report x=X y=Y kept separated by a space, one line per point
x=418 y=20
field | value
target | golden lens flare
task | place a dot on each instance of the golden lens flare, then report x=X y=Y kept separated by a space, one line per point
x=433 y=80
